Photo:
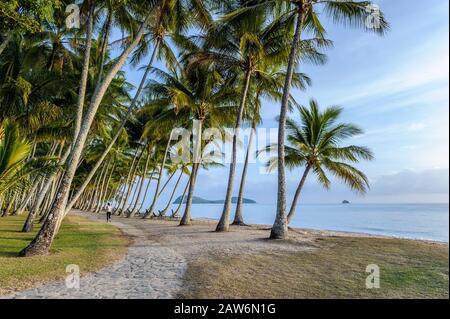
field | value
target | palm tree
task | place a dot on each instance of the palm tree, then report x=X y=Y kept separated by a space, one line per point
x=248 y=44
x=305 y=13
x=245 y=44
x=198 y=93
x=170 y=18
x=43 y=240
x=267 y=85
x=316 y=144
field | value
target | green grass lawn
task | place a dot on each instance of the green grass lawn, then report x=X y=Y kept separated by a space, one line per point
x=333 y=268
x=90 y=245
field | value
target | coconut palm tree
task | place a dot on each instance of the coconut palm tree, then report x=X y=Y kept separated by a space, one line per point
x=199 y=93
x=315 y=143
x=170 y=18
x=305 y=14
x=267 y=85
x=248 y=44
x=43 y=240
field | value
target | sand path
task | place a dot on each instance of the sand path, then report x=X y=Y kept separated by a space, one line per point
x=158 y=257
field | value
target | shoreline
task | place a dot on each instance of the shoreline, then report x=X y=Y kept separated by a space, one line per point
x=189 y=259
x=327 y=232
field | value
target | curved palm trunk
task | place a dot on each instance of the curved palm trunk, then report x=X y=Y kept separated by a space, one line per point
x=98 y=203
x=166 y=183
x=133 y=198
x=163 y=212
x=47 y=185
x=131 y=186
x=146 y=190
x=48 y=200
x=238 y=216
x=186 y=219
x=90 y=203
x=150 y=211
x=27 y=199
x=141 y=187
x=175 y=213
x=84 y=73
x=280 y=226
x=105 y=190
x=44 y=239
x=118 y=132
x=103 y=47
x=224 y=222
x=9 y=207
x=197 y=158
x=97 y=189
x=297 y=194
x=127 y=181
x=159 y=194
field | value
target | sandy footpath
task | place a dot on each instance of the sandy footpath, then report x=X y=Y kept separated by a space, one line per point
x=158 y=257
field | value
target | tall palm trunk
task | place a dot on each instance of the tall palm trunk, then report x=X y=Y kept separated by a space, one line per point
x=280 y=226
x=159 y=194
x=44 y=239
x=164 y=211
x=48 y=184
x=135 y=192
x=104 y=45
x=99 y=203
x=197 y=158
x=127 y=181
x=297 y=194
x=107 y=194
x=150 y=211
x=224 y=222
x=9 y=207
x=48 y=200
x=84 y=73
x=146 y=190
x=91 y=200
x=131 y=186
x=97 y=189
x=238 y=216
x=118 y=131
x=186 y=219
x=166 y=183
x=27 y=199
x=175 y=213
x=141 y=187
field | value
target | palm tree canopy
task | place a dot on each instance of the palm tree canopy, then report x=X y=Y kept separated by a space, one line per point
x=316 y=142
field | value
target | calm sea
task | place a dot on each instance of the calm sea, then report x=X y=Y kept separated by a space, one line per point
x=419 y=221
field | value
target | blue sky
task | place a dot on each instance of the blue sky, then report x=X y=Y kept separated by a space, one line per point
x=396 y=88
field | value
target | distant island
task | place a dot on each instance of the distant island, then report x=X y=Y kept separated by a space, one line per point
x=345 y=202
x=199 y=200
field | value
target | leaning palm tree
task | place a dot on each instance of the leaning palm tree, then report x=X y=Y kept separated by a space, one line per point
x=169 y=18
x=249 y=44
x=201 y=94
x=315 y=143
x=306 y=15
x=44 y=239
x=268 y=86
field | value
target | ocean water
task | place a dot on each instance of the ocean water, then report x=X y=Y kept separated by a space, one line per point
x=418 y=221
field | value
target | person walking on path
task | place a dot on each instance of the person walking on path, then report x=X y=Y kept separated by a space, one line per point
x=108 y=212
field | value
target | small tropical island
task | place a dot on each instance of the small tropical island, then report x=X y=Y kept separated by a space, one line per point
x=200 y=200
